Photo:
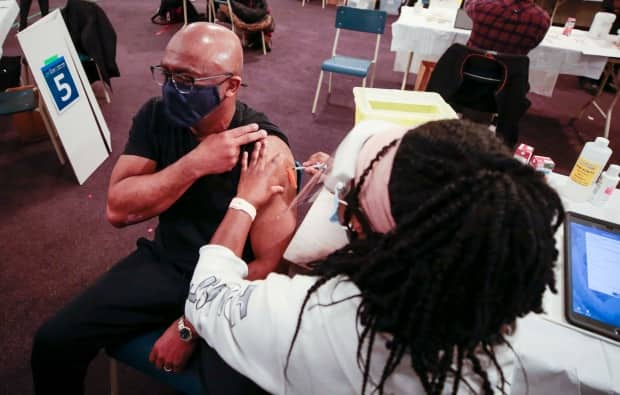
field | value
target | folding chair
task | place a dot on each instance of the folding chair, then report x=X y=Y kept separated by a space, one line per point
x=486 y=82
x=356 y=19
x=26 y=98
x=610 y=72
x=86 y=61
x=211 y=14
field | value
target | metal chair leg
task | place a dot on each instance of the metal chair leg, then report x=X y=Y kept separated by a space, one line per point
x=406 y=74
x=318 y=90
x=372 y=76
x=210 y=11
x=262 y=37
x=113 y=377
x=329 y=84
x=609 y=114
x=364 y=83
x=105 y=88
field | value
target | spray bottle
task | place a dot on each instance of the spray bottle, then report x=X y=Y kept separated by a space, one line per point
x=606 y=185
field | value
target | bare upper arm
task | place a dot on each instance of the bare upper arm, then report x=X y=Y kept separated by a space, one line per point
x=275 y=223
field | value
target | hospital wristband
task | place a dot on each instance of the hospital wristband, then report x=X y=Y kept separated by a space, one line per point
x=238 y=203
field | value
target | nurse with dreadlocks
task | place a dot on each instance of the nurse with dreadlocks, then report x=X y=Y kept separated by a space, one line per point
x=450 y=240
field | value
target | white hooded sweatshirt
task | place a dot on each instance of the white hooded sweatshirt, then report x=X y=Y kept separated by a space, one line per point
x=251 y=325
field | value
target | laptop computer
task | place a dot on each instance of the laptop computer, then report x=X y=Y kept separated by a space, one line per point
x=592 y=274
x=462 y=20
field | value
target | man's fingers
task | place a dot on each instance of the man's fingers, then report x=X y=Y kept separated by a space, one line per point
x=255 y=154
x=261 y=156
x=251 y=137
x=244 y=161
x=242 y=130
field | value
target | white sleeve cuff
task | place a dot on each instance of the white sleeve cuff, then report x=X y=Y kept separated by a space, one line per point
x=219 y=259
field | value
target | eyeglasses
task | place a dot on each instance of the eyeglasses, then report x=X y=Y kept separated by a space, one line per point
x=182 y=82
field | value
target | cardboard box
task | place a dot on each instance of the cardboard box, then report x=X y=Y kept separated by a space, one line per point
x=524 y=153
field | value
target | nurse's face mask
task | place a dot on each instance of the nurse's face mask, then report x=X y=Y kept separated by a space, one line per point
x=188 y=99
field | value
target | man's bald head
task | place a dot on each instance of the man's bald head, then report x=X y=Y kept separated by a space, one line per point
x=204 y=49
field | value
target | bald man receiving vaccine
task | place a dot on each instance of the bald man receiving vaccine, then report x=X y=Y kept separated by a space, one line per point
x=181 y=164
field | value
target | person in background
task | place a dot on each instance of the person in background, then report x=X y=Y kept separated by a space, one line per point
x=251 y=12
x=506 y=26
x=451 y=240
x=24 y=9
x=180 y=164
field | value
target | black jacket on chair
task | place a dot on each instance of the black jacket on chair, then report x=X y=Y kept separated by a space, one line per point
x=510 y=99
x=93 y=35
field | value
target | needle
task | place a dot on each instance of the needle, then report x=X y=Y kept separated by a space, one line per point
x=317 y=166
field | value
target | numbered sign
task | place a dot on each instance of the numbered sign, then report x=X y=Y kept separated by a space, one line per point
x=60 y=82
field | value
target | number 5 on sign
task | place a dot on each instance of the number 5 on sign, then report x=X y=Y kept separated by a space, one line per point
x=60 y=82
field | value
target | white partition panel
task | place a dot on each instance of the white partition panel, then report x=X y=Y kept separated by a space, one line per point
x=69 y=98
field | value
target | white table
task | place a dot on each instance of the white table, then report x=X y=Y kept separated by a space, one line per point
x=8 y=12
x=427 y=34
x=560 y=358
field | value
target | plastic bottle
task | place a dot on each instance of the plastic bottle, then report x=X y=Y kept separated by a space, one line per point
x=568 y=26
x=606 y=185
x=588 y=167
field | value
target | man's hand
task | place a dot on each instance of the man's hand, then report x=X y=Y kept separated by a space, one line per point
x=169 y=352
x=219 y=152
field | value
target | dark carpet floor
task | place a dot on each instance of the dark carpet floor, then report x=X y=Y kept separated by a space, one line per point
x=54 y=239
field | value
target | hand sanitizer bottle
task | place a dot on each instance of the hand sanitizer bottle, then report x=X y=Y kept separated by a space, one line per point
x=588 y=167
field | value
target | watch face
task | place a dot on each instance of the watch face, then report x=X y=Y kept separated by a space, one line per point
x=185 y=334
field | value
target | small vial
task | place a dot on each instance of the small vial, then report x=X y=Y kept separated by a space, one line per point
x=568 y=26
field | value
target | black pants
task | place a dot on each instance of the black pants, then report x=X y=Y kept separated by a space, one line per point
x=137 y=295
x=24 y=9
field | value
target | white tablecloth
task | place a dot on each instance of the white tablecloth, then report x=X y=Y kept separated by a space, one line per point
x=8 y=12
x=429 y=33
x=558 y=357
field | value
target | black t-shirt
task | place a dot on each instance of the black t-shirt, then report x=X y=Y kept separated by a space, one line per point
x=191 y=221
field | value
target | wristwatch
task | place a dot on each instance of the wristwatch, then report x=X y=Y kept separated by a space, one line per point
x=185 y=333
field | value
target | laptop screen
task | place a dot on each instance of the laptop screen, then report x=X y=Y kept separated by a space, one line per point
x=595 y=272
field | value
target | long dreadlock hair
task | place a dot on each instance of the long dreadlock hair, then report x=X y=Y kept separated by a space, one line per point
x=473 y=249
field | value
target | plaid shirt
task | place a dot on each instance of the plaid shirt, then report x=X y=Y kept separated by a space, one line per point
x=507 y=26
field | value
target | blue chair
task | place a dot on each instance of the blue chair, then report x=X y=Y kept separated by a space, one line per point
x=135 y=353
x=356 y=19
x=18 y=101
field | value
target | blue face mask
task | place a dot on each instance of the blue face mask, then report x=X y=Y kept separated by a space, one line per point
x=185 y=110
